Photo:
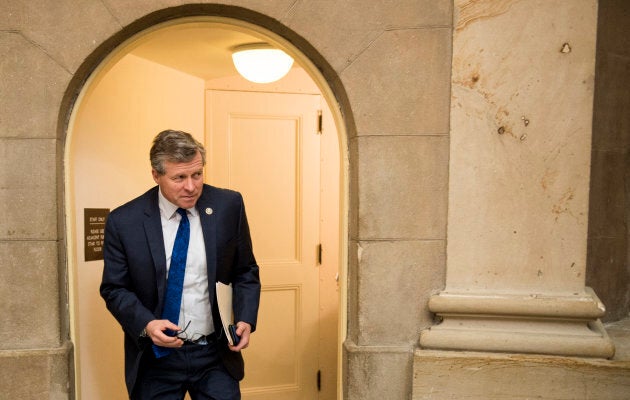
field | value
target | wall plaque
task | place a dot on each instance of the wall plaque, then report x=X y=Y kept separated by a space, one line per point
x=94 y=232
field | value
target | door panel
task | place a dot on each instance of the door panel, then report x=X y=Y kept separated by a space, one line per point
x=266 y=146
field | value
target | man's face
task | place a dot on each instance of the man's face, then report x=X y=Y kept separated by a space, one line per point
x=182 y=183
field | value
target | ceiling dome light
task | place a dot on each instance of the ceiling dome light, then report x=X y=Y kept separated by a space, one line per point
x=261 y=63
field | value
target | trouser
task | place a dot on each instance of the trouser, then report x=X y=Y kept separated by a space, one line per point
x=193 y=368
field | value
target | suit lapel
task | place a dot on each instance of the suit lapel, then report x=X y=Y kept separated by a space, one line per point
x=206 y=208
x=155 y=238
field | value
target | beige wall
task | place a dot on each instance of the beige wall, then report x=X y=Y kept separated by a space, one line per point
x=388 y=64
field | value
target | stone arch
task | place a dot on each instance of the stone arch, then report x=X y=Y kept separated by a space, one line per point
x=96 y=57
x=319 y=69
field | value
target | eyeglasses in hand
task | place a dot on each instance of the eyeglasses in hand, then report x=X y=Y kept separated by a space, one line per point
x=186 y=337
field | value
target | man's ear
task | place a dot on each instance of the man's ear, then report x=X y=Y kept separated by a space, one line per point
x=155 y=175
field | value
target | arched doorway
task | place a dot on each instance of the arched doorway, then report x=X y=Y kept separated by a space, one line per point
x=132 y=95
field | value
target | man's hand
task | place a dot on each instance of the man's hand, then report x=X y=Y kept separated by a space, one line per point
x=243 y=330
x=155 y=330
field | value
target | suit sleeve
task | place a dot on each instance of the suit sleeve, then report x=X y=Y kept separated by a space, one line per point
x=117 y=287
x=245 y=278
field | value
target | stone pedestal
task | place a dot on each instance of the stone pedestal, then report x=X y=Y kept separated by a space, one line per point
x=560 y=325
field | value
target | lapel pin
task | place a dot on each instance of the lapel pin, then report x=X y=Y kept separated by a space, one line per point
x=209 y=211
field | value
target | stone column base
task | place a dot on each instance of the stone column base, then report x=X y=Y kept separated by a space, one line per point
x=37 y=373
x=377 y=372
x=552 y=325
x=441 y=375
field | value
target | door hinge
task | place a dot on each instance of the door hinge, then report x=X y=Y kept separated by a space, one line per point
x=319 y=254
x=320 y=122
x=319 y=380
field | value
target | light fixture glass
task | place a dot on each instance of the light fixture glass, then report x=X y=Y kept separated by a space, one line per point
x=261 y=63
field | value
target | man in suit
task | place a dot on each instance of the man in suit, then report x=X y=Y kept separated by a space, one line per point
x=169 y=355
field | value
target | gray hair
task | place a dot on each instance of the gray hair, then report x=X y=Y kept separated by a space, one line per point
x=174 y=146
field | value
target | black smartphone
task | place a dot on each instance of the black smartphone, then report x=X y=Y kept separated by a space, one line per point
x=235 y=337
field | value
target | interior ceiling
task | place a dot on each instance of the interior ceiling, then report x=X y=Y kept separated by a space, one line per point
x=198 y=49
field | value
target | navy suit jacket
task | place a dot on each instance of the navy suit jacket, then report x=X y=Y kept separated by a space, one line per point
x=134 y=276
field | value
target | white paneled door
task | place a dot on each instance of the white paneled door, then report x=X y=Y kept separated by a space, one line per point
x=267 y=146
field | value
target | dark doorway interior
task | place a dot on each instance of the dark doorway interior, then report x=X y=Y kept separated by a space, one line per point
x=608 y=262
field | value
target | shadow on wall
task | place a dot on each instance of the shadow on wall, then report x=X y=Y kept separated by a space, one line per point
x=608 y=262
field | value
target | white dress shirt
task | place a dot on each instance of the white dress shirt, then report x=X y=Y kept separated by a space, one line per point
x=195 y=308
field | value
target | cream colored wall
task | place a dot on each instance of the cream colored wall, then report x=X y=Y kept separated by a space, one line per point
x=296 y=81
x=113 y=130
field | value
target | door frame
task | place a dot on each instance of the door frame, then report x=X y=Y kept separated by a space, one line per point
x=96 y=67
